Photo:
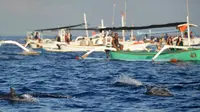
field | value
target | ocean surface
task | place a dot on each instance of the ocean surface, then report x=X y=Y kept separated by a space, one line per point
x=95 y=84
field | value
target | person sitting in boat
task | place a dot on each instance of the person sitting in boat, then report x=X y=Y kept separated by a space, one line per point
x=58 y=39
x=90 y=42
x=159 y=44
x=191 y=35
x=166 y=37
x=115 y=42
x=185 y=35
x=36 y=36
x=83 y=42
x=170 y=42
x=179 y=41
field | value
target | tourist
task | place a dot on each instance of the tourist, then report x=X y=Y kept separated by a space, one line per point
x=115 y=42
x=165 y=37
x=179 y=41
x=90 y=42
x=169 y=41
x=159 y=44
x=36 y=36
x=67 y=40
x=191 y=35
x=58 y=39
x=83 y=42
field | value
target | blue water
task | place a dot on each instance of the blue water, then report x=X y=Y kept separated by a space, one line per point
x=92 y=83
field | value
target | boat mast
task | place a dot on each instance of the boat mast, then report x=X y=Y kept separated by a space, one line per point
x=123 y=31
x=132 y=31
x=113 y=17
x=102 y=26
x=125 y=14
x=188 y=26
x=124 y=22
x=85 y=21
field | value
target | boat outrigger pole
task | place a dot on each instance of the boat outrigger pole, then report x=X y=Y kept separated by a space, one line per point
x=15 y=43
x=27 y=51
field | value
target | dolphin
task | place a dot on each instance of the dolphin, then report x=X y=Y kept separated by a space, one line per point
x=12 y=96
x=150 y=89
x=157 y=91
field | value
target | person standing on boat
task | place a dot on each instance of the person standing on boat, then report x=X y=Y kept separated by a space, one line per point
x=70 y=37
x=116 y=44
x=67 y=40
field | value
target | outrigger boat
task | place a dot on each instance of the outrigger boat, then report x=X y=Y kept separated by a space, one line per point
x=48 y=43
x=100 y=41
x=181 y=53
x=186 y=54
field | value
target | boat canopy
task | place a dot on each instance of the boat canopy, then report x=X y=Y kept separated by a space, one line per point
x=134 y=28
x=58 y=28
x=183 y=27
x=191 y=25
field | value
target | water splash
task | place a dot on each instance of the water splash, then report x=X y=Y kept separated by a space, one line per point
x=29 y=98
x=123 y=79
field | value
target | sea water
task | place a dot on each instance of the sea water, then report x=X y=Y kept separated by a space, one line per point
x=92 y=83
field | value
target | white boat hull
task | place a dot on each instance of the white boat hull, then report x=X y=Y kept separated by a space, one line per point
x=74 y=48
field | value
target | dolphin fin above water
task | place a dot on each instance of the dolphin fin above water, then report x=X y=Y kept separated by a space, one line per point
x=12 y=93
x=12 y=96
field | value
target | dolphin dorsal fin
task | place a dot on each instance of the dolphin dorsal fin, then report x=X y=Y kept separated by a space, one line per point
x=12 y=92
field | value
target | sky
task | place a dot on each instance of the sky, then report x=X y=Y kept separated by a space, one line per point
x=19 y=16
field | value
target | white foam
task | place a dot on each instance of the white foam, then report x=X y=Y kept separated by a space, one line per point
x=128 y=80
x=29 y=98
